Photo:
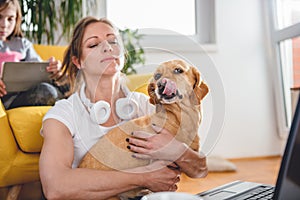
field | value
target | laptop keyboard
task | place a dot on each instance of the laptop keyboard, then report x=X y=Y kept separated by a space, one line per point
x=261 y=193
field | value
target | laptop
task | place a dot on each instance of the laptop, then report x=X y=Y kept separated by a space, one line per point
x=288 y=180
x=20 y=76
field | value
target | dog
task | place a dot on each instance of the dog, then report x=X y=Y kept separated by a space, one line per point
x=176 y=89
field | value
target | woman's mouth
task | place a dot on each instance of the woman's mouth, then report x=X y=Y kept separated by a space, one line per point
x=108 y=59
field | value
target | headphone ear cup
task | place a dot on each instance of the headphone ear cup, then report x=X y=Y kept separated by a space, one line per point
x=126 y=108
x=100 y=112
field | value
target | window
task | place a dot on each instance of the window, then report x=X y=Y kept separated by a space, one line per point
x=284 y=28
x=163 y=21
x=175 y=15
x=288 y=12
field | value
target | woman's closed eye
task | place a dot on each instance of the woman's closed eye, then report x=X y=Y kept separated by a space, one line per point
x=112 y=41
x=94 y=45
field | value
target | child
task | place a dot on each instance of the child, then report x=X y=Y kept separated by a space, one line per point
x=14 y=47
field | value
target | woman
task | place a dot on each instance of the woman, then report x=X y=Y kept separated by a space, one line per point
x=14 y=47
x=92 y=65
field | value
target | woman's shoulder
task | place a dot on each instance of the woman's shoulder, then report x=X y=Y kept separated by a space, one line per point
x=145 y=107
x=138 y=96
x=63 y=111
x=65 y=103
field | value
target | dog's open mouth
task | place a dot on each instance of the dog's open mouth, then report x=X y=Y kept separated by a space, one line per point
x=167 y=91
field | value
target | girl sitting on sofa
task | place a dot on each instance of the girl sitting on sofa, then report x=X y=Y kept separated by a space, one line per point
x=14 y=47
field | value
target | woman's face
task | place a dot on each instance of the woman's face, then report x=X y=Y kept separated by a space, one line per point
x=8 y=18
x=101 y=51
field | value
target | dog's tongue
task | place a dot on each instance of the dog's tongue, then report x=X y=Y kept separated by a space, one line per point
x=170 y=87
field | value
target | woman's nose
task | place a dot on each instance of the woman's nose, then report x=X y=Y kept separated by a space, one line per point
x=107 y=47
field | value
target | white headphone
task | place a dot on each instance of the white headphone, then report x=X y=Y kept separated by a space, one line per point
x=126 y=108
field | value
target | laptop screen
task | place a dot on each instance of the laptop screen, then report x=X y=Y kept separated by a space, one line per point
x=288 y=182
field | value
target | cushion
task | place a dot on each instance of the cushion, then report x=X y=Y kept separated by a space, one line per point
x=139 y=82
x=26 y=123
x=47 y=51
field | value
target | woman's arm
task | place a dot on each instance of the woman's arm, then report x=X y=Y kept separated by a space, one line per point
x=164 y=146
x=60 y=181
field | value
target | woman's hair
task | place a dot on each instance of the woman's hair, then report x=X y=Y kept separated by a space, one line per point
x=15 y=3
x=69 y=71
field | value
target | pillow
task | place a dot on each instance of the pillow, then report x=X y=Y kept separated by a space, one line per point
x=26 y=123
x=139 y=82
x=47 y=51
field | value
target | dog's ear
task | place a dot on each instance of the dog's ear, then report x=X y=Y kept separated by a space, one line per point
x=151 y=91
x=200 y=88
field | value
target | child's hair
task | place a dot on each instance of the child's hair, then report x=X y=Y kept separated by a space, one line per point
x=15 y=4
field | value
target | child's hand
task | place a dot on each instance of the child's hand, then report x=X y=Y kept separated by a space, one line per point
x=54 y=66
x=2 y=89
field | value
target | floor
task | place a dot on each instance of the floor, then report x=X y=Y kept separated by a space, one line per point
x=262 y=170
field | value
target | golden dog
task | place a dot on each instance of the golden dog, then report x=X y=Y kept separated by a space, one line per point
x=177 y=90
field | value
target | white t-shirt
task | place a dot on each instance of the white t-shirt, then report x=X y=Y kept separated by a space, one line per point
x=85 y=133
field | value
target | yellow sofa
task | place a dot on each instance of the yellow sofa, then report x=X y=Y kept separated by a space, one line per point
x=20 y=141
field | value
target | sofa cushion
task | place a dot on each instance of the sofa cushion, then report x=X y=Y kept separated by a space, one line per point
x=47 y=51
x=139 y=82
x=26 y=123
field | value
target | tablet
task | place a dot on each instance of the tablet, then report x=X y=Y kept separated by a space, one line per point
x=20 y=76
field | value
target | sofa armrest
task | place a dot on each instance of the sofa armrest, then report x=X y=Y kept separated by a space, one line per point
x=26 y=123
x=8 y=146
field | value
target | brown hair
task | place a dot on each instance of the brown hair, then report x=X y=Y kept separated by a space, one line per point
x=17 y=30
x=69 y=71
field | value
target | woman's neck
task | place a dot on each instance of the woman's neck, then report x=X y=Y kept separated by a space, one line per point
x=107 y=88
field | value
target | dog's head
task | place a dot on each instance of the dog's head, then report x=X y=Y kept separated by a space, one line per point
x=175 y=80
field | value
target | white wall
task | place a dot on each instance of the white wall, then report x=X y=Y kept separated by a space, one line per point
x=250 y=122
x=250 y=127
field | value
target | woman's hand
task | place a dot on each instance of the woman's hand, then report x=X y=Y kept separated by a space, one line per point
x=54 y=66
x=158 y=176
x=163 y=179
x=2 y=89
x=162 y=146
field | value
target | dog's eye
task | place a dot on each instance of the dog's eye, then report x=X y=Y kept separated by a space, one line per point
x=178 y=71
x=157 y=76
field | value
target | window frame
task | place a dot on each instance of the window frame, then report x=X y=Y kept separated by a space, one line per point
x=205 y=23
x=274 y=37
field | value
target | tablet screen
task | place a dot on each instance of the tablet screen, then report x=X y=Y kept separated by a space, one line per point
x=21 y=76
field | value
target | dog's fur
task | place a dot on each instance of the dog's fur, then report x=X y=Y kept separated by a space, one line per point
x=179 y=113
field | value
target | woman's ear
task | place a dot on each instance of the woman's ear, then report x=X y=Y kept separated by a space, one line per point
x=75 y=61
